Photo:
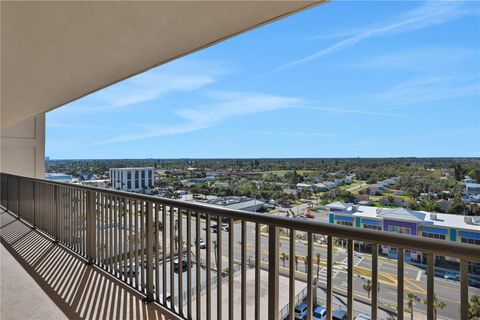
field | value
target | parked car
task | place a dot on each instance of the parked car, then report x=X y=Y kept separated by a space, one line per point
x=176 y=265
x=202 y=244
x=225 y=227
x=144 y=263
x=309 y=215
x=320 y=313
x=122 y=270
x=339 y=315
x=362 y=316
x=473 y=282
x=301 y=311
x=451 y=275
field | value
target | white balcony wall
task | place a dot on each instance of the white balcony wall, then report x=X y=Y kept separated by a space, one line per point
x=23 y=148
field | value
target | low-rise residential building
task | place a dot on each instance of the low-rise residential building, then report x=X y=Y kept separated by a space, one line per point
x=59 y=177
x=472 y=188
x=132 y=179
x=471 y=193
x=448 y=227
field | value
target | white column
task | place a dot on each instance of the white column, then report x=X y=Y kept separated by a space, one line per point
x=124 y=185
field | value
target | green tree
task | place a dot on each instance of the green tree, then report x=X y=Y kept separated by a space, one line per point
x=367 y=286
x=284 y=258
x=457 y=206
x=411 y=299
x=475 y=174
x=474 y=308
x=437 y=305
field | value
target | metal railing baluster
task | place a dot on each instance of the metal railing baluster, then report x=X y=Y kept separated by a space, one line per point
x=125 y=237
x=258 y=247
x=464 y=303
x=180 y=261
x=198 y=267
x=172 y=257
x=189 y=264
x=400 y=265
x=164 y=255
x=231 y=239
x=149 y=244
x=142 y=239
x=218 y=264
x=350 y=280
x=156 y=252
x=243 y=299
x=430 y=285
x=273 y=244
x=131 y=215
x=329 y=291
x=374 y=301
x=209 y=266
x=309 y=266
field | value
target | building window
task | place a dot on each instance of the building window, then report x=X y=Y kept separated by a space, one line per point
x=399 y=229
x=129 y=184
x=371 y=226
x=433 y=235
x=471 y=241
x=345 y=223
x=129 y=175
x=143 y=175
x=136 y=175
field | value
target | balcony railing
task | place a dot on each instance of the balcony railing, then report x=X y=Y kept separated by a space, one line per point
x=148 y=242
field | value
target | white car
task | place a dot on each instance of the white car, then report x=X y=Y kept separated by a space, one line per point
x=301 y=311
x=202 y=244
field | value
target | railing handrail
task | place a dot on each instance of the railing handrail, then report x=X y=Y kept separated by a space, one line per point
x=426 y=245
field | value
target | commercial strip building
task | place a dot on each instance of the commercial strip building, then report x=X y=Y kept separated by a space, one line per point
x=448 y=227
x=238 y=203
x=132 y=179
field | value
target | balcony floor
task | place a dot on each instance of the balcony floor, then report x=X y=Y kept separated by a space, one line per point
x=43 y=280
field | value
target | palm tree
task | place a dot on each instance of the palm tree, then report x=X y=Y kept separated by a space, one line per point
x=474 y=308
x=367 y=286
x=318 y=256
x=411 y=298
x=437 y=305
x=284 y=258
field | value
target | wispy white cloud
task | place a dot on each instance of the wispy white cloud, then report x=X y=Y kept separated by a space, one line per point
x=296 y=134
x=425 y=90
x=151 y=85
x=351 y=111
x=225 y=106
x=429 y=14
x=431 y=58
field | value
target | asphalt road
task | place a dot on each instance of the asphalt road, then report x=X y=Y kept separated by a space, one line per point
x=415 y=278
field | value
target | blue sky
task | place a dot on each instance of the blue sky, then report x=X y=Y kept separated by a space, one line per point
x=345 y=79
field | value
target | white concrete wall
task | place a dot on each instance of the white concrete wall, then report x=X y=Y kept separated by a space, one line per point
x=22 y=149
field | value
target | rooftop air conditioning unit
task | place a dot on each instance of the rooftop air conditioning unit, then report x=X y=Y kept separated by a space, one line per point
x=468 y=220
x=433 y=216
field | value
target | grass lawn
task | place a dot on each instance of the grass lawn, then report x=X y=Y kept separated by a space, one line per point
x=386 y=194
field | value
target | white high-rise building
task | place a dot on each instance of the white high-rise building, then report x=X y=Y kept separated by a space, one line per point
x=132 y=179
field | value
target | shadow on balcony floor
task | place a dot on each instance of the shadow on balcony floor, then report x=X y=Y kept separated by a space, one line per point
x=58 y=284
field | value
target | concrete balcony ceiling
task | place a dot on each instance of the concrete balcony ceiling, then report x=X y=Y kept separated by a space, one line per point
x=55 y=52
